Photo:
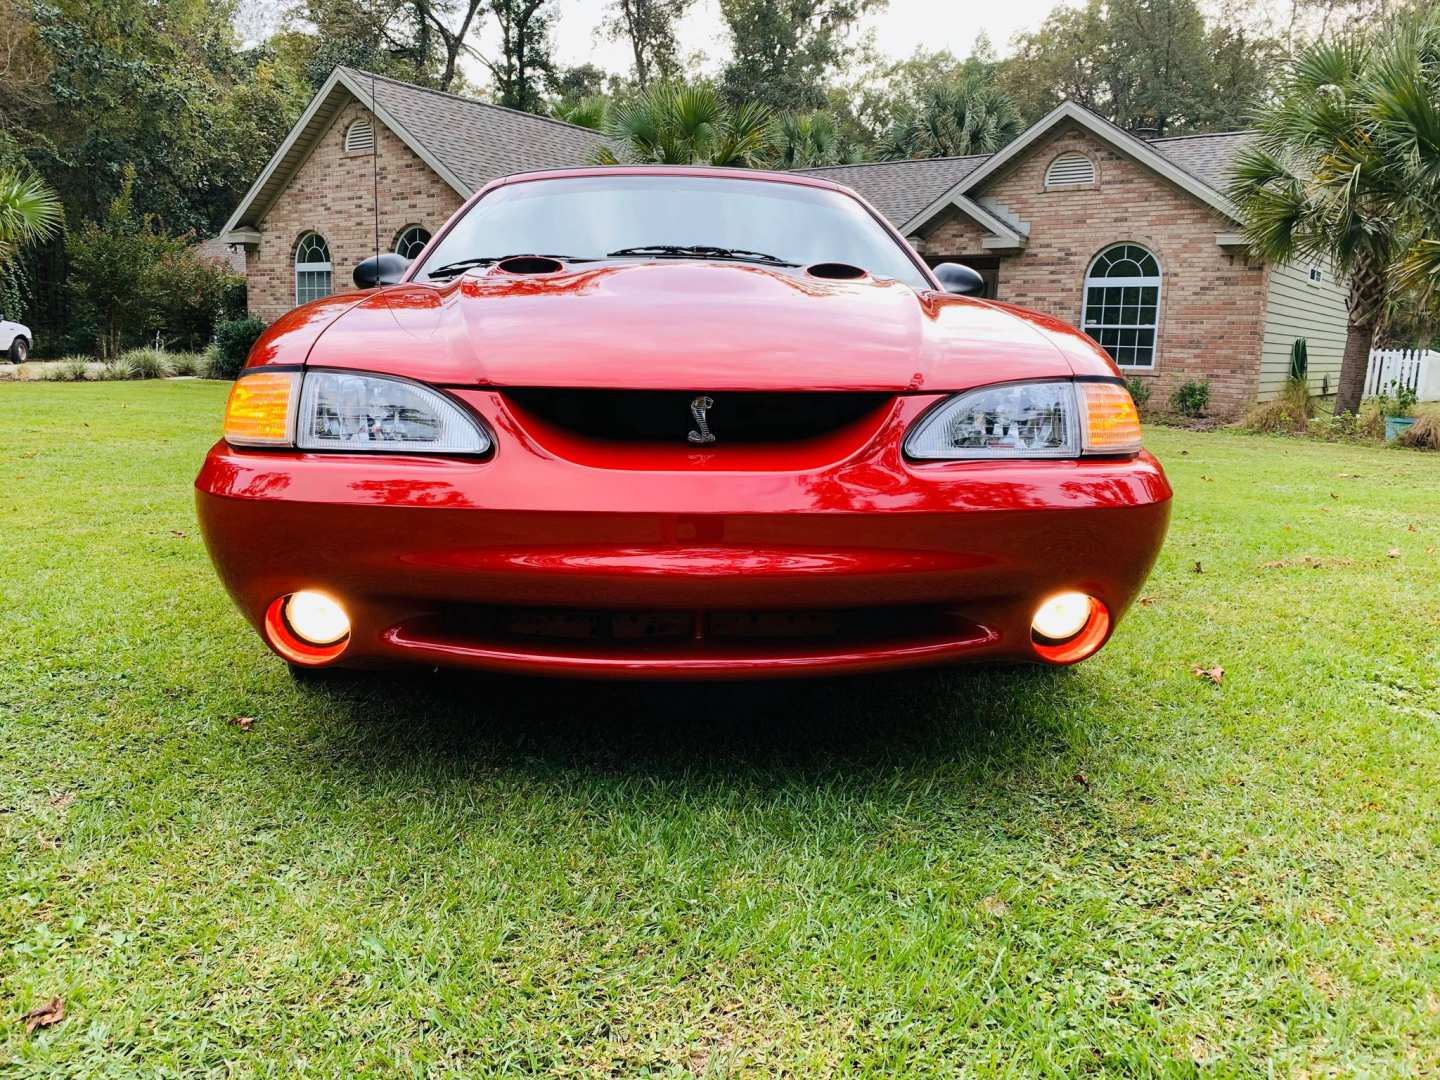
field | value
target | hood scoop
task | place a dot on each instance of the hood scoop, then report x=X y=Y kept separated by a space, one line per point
x=836 y=271
x=529 y=265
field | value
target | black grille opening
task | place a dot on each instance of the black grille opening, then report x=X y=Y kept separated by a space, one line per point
x=645 y=628
x=668 y=416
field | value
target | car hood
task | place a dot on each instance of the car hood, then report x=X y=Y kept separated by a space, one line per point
x=690 y=325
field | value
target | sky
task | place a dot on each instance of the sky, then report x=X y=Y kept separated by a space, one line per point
x=900 y=29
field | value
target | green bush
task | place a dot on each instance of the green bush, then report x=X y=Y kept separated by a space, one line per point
x=1139 y=391
x=71 y=369
x=117 y=369
x=233 y=341
x=1191 y=398
x=147 y=363
x=188 y=363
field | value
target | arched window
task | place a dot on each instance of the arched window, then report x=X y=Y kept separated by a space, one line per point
x=1070 y=169
x=1122 y=304
x=360 y=137
x=312 y=268
x=411 y=241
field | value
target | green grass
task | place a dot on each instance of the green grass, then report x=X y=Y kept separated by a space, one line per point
x=1113 y=870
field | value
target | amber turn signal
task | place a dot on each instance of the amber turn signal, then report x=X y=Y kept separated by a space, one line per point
x=1112 y=425
x=261 y=409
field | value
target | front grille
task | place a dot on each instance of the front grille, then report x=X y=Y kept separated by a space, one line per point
x=643 y=628
x=666 y=416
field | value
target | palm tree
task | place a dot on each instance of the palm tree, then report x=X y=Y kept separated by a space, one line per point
x=670 y=124
x=968 y=116
x=810 y=140
x=29 y=212
x=1404 y=88
x=1318 y=183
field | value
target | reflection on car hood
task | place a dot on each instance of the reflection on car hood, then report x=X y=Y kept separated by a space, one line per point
x=710 y=325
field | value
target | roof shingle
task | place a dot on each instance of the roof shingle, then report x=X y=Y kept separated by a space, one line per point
x=478 y=141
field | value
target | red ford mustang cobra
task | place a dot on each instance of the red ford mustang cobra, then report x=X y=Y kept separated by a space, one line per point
x=690 y=423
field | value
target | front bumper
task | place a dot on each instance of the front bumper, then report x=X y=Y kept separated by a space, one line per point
x=442 y=561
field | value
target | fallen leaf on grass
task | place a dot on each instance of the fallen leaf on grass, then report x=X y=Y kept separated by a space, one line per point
x=1146 y=601
x=46 y=1015
x=244 y=723
x=1198 y=568
x=1212 y=674
x=1393 y=553
x=1410 y=527
x=1081 y=779
x=994 y=906
x=1333 y=495
x=177 y=532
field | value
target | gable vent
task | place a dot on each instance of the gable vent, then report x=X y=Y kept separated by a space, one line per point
x=1070 y=169
x=359 y=136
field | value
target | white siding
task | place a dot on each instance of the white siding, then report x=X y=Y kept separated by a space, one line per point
x=1297 y=307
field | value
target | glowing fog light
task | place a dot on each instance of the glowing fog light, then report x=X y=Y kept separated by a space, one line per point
x=1062 y=616
x=316 y=618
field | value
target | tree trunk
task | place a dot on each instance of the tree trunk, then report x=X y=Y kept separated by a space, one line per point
x=1353 y=365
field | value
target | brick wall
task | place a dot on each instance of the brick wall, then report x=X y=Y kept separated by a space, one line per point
x=333 y=193
x=1212 y=303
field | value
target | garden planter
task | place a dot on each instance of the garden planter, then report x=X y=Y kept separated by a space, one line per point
x=1395 y=426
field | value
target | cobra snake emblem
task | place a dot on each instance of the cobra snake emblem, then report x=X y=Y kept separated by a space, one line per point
x=698 y=408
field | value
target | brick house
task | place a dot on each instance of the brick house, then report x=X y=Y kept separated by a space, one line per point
x=1130 y=238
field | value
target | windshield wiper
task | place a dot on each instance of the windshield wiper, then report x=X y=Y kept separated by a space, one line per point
x=459 y=267
x=700 y=251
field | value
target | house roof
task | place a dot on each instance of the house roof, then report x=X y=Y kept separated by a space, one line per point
x=467 y=142
x=1206 y=156
x=476 y=140
x=900 y=189
x=1142 y=152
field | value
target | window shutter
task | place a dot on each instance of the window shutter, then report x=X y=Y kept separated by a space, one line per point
x=359 y=136
x=1070 y=169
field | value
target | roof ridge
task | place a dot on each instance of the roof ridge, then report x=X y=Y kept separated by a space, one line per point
x=1202 y=135
x=892 y=161
x=470 y=100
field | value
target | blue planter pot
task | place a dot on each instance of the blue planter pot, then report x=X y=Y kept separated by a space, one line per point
x=1395 y=425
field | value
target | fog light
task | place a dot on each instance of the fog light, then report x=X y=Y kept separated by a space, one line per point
x=1062 y=616
x=315 y=618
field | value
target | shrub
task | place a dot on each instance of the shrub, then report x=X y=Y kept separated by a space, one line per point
x=71 y=369
x=233 y=341
x=1424 y=434
x=117 y=369
x=1370 y=424
x=187 y=363
x=1139 y=391
x=147 y=363
x=1273 y=417
x=1191 y=398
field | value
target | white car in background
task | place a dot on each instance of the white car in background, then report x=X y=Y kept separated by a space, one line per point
x=15 y=340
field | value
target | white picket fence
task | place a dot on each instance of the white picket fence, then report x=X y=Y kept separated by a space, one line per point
x=1417 y=369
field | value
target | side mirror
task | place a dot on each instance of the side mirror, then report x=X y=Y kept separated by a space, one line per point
x=959 y=279
x=384 y=269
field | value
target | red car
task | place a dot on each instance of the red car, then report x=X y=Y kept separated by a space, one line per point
x=677 y=423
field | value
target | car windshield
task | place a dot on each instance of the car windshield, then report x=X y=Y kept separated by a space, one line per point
x=589 y=217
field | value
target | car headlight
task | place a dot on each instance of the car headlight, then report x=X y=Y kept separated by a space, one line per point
x=332 y=410
x=1028 y=420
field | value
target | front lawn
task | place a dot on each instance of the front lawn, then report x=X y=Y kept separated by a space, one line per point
x=1121 y=869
